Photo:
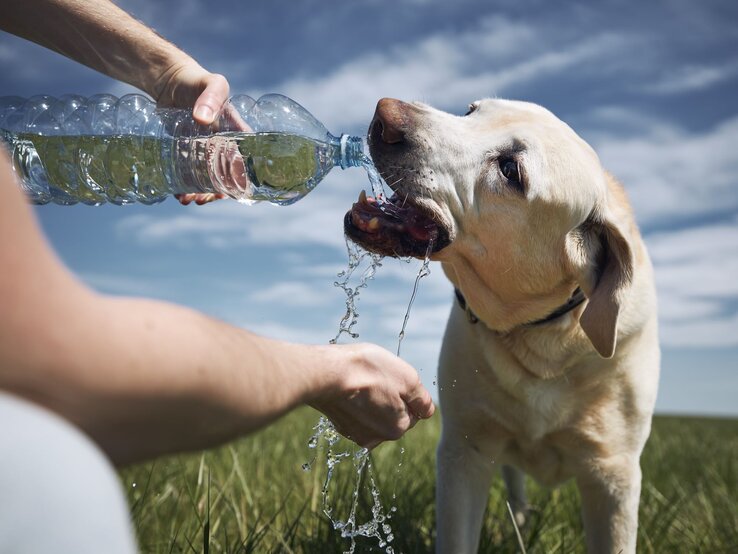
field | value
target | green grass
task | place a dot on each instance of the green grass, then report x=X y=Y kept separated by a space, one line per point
x=253 y=496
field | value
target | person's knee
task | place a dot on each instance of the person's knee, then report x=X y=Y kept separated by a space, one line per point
x=59 y=492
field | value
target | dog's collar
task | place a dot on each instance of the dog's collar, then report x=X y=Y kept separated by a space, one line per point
x=575 y=300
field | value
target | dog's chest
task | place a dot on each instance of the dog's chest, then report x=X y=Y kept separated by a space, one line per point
x=527 y=420
x=528 y=405
x=544 y=407
x=526 y=430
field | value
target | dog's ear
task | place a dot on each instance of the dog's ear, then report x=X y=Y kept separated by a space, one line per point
x=605 y=289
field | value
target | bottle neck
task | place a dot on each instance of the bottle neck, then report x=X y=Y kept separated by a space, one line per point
x=351 y=151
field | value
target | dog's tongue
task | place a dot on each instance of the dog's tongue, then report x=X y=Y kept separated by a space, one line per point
x=419 y=226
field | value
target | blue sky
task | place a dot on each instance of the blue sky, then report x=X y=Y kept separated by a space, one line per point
x=652 y=87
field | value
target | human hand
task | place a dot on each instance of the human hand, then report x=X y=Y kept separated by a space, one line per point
x=374 y=396
x=187 y=85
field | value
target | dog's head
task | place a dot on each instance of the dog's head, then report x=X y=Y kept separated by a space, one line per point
x=517 y=205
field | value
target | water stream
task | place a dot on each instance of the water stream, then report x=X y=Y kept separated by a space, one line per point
x=424 y=272
x=325 y=437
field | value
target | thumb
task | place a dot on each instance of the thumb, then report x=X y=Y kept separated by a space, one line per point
x=419 y=402
x=211 y=100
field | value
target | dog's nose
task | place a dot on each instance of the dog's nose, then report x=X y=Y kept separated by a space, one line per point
x=391 y=121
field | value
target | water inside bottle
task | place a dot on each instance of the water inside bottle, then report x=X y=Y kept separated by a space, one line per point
x=283 y=168
x=274 y=167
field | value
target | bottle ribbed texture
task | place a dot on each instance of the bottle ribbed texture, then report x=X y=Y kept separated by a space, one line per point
x=103 y=149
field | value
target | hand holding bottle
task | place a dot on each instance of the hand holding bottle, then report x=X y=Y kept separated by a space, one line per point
x=126 y=50
x=188 y=85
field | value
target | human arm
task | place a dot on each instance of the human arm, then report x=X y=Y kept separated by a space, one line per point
x=99 y=34
x=145 y=378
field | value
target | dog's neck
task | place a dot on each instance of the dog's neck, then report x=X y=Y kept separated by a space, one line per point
x=573 y=302
x=545 y=348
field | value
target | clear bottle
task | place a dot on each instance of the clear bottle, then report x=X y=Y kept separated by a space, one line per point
x=104 y=149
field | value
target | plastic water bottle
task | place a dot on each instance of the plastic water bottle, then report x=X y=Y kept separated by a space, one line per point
x=104 y=149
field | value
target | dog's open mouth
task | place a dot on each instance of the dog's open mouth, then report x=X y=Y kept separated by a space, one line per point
x=396 y=227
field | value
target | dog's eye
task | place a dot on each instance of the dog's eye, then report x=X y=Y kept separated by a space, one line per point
x=509 y=169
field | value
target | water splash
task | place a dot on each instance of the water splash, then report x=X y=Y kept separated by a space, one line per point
x=325 y=436
x=356 y=255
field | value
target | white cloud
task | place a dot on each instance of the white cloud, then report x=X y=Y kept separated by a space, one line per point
x=226 y=224
x=695 y=276
x=295 y=293
x=715 y=332
x=717 y=241
x=691 y=78
x=291 y=333
x=447 y=69
x=670 y=173
x=677 y=309
x=427 y=319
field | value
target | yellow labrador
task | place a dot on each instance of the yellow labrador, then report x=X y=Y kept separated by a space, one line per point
x=550 y=361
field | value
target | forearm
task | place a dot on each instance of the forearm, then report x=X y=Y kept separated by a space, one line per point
x=98 y=34
x=145 y=378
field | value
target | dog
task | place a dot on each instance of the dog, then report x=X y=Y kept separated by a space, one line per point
x=550 y=360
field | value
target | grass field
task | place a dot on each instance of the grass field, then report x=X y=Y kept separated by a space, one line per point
x=253 y=496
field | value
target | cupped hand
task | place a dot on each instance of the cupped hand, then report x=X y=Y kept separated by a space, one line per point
x=375 y=396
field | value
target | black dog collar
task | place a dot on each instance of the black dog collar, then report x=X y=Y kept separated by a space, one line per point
x=575 y=300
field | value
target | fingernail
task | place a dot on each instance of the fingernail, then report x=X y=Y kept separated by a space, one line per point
x=203 y=113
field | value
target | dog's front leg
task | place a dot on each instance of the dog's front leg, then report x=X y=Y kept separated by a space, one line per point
x=462 y=488
x=610 y=495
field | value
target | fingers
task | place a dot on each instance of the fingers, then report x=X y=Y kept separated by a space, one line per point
x=369 y=430
x=419 y=402
x=227 y=170
x=211 y=100
x=198 y=198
